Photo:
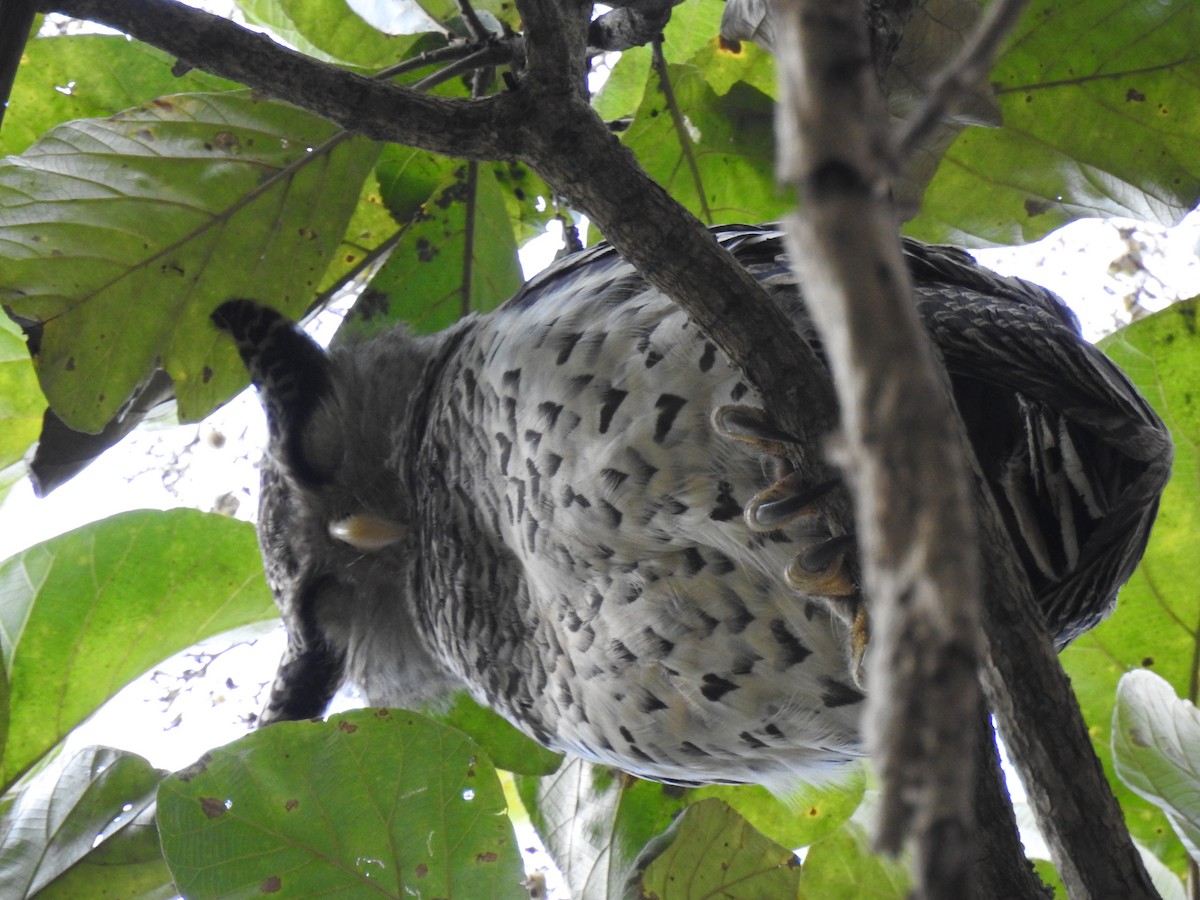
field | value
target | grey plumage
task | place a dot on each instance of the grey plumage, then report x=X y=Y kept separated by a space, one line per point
x=546 y=506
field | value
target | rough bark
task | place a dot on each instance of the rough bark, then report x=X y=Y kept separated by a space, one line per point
x=903 y=446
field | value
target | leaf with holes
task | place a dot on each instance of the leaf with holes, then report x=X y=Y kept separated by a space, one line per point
x=124 y=233
x=374 y=800
x=712 y=851
x=85 y=613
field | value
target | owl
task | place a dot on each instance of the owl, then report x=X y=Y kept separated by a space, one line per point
x=575 y=509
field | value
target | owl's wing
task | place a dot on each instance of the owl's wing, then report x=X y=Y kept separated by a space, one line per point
x=1079 y=489
x=1074 y=454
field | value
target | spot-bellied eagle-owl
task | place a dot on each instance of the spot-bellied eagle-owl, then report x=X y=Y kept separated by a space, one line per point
x=571 y=507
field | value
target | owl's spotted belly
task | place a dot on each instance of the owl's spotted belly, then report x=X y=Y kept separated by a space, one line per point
x=664 y=638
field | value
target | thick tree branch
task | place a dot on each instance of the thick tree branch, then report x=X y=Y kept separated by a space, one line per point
x=16 y=20
x=547 y=123
x=1024 y=683
x=1045 y=733
x=904 y=446
x=469 y=129
x=630 y=26
x=1001 y=869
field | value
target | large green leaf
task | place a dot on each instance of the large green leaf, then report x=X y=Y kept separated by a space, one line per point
x=68 y=812
x=595 y=822
x=1156 y=750
x=458 y=256
x=1154 y=625
x=729 y=137
x=373 y=802
x=711 y=851
x=694 y=29
x=85 y=613
x=89 y=76
x=804 y=817
x=328 y=30
x=21 y=400
x=1101 y=108
x=124 y=233
x=842 y=867
x=508 y=748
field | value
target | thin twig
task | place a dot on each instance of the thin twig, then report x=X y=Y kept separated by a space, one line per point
x=471 y=18
x=453 y=51
x=685 y=139
x=960 y=77
x=488 y=55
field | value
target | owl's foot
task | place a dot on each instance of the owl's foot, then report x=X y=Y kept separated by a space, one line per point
x=823 y=567
x=751 y=425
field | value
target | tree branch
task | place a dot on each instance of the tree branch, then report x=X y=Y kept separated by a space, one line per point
x=1001 y=869
x=469 y=129
x=960 y=76
x=1045 y=732
x=1025 y=685
x=904 y=446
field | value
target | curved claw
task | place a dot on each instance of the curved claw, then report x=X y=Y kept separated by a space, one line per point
x=821 y=569
x=788 y=499
x=860 y=636
x=751 y=425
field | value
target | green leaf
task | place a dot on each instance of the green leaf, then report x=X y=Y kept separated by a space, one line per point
x=10 y=476
x=1153 y=626
x=124 y=233
x=801 y=818
x=449 y=10
x=842 y=867
x=1156 y=750
x=442 y=258
x=595 y=822
x=21 y=400
x=731 y=138
x=1101 y=108
x=329 y=30
x=408 y=178
x=89 y=76
x=508 y=748
x=370 y=802
x=723 y=67
x=85 y=613
x=523 y=191
x=370 y=229
x=693 y=29
x=60 y=815
x=149 y=880
x=693 y=25
x=710 y=851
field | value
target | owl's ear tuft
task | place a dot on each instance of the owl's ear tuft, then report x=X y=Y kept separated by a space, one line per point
x=292 y=374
